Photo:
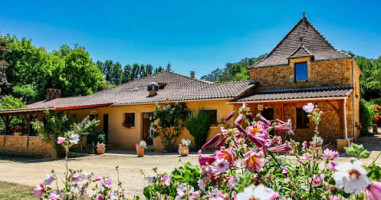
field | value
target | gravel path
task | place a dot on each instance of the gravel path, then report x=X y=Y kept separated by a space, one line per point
x=32 y=172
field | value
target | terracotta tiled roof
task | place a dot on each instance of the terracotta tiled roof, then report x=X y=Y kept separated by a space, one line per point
x=178 y=88
x=302 y=93
x=303 y=33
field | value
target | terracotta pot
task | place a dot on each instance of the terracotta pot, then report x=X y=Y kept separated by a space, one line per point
x=101 y=150
x=183 y=151
x=18 y=133
x=140 y=152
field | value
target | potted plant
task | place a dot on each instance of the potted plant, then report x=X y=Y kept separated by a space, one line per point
x=184 y=147
x=101 y=148
x=17 y=132
x=140 y=148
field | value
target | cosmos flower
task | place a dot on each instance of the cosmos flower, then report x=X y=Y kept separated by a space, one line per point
x=254 y=161
x=258 y=193
x=285 y=170
x=150 y=178
x=74 y=138
x=352 y=177
x=316 y=180
x=107 y=182
x=201 y=184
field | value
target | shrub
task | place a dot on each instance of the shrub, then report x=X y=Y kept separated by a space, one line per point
x=198 y=124
x=367 y=116
x=169 y=123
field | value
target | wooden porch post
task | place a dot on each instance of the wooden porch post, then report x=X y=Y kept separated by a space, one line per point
x=282 y=114
x=345 y=120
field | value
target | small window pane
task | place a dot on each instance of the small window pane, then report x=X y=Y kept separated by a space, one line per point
x=302 y=119
x=129 y=120
x=301 y=73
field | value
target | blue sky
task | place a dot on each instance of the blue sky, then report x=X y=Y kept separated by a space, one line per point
x=191 y=35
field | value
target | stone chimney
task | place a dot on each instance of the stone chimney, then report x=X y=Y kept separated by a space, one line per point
x=192 y=74
x=52 y=94
x=152 y=88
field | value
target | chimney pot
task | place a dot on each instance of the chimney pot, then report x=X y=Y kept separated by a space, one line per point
x=152 y=88
x=192 y=74
x=52 y=94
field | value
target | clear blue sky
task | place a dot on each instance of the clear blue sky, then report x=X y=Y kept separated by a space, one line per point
x=191 y=35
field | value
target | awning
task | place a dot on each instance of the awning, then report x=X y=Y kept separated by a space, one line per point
x=322 y=93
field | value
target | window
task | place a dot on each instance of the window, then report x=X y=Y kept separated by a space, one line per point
x=129 y=120
x=91 y=117
x=268 y=113
x=301 y=74
x=302 y=119
x=213 y=116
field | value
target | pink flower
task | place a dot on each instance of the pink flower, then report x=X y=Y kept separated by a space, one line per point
x=316 y=180
x=229 y=116
x=107 y=182
x=166 y=180
x=254 y=161
x=332 y=166
x=205 y=160
x=60 y=140
x=222 y=165
x=231 y=181
x=284 y=127
x=309 y=107
x=286 y=180
x=284 y=148
x=263 y=120
x=49 y=178
x=305 y=145
x=99 y=197
x=334 y=197
x=211 y=141
x=373 y=192
x=39 y=190
x=54 y=196
x=226 y=154
x=329 y=154
x=260 y=142
x=285 y=170
x=306 y=156
x=98 y=178
x=239 y=119
x=201 y=184
x=277 y=140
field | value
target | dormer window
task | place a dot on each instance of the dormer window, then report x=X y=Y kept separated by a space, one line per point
x=301 y=72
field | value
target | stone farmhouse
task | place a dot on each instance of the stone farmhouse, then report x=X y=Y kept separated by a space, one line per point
x=304 y=67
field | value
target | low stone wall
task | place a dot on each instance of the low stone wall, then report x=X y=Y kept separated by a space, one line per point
x=26 y=146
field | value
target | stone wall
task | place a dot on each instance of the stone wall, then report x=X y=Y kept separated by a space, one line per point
x=26 y=146
x=320 y=74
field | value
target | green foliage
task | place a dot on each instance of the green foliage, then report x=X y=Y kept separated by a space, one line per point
x=367 y=116
x=198 y=124
x=115 y=75
x=169 y=123
x=357 y=151
x=10 y=102
x=57 y=124
x=370 y=79
x=3 y=64
x=233 y=71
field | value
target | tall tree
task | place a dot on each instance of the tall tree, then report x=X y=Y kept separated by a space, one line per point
x=3 y=63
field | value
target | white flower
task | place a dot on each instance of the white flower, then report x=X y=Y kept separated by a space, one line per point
x=222 y=165
x=201 y=184
x=309 y=107
x=74 y=138
x=259 y=193
x=351 y=177
x=150 y=178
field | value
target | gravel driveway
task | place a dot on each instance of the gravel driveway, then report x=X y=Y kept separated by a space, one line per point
x=32 y=172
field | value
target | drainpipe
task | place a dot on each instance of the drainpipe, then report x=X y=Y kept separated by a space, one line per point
x=353 y=102
x=345 y=119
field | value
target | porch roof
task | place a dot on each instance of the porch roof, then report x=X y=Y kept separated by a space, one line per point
x=300 y=93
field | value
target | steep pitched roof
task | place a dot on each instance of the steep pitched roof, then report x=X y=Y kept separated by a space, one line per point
x=301 y=93
x=178 y=88
x=302 y=34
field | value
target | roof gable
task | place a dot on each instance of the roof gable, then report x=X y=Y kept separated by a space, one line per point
x=303 y=39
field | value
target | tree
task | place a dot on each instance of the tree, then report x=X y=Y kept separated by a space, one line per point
x=169 y=67
x=8 y=122
x=3 y=63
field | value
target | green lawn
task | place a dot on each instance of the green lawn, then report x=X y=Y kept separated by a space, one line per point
x=13 y=191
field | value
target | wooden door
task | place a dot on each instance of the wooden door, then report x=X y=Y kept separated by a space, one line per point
x=105 y=126
x=146 y=130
